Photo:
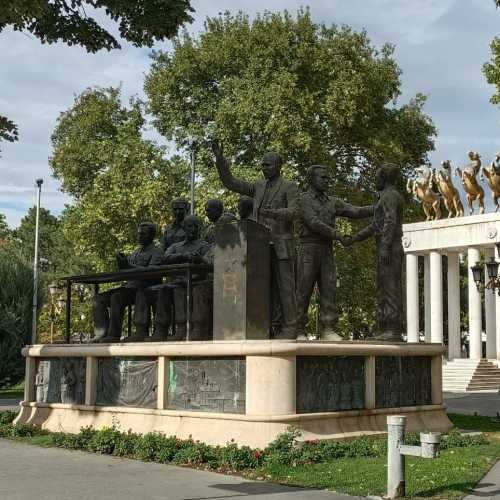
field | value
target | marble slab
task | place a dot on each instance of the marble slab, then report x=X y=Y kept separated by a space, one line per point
x=60 y=380
x=402 y=381
x=207 y=384
x=127 y=381
x=330 y=383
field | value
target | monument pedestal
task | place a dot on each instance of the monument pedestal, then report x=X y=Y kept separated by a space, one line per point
x=249 y=391
x=242 y=282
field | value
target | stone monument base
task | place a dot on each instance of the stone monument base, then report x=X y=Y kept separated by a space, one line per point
x=248 y=391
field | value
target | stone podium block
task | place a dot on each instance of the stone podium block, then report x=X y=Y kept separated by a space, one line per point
x=242 y=281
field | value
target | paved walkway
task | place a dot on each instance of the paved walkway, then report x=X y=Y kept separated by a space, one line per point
x=31 y=472
x=489 y=487
x=485 y=403
x=9 y=404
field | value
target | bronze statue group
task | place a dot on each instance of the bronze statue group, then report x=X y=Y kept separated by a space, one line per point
x=275 y=203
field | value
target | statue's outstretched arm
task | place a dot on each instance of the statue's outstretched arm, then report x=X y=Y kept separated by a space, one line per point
x=227 y=178
x=344 y=209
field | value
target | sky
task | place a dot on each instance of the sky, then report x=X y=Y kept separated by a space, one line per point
x=441 y=46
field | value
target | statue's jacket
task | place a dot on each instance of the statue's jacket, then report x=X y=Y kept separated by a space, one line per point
x=279 y=197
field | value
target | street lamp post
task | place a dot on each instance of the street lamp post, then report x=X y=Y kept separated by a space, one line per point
x=39 y=183
x=193 y=175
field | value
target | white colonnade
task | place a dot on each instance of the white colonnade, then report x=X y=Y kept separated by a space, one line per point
x=425 y=244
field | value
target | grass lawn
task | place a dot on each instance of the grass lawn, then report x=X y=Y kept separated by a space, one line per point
x=450 y=476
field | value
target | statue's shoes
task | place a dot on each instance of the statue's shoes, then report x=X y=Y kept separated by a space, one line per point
x=105 y=340
x=135 y=338
x=157 y=337
x=387 y=337
x=330 y=336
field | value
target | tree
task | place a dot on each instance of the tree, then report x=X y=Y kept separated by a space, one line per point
x=4 y=230
x=117 y=177
x=316 y=94
x=8 y=130
x=141 y=22
x=491 y=69
x=15 y=314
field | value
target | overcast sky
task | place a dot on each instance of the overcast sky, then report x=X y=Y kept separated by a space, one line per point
x=441 y=46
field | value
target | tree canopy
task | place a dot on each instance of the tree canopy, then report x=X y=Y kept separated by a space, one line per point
x=317 y=94
x=491 y=69
x=141 y=22
x=314 y=93
x=117 y=177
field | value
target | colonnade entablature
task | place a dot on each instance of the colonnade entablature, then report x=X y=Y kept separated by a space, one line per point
x=464 y=241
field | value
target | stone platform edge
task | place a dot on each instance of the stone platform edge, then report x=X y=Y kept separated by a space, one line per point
x=236 y=348
x=219 y=429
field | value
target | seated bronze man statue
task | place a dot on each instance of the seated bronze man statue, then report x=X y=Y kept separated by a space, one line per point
x=109 y=306
x=170 y=298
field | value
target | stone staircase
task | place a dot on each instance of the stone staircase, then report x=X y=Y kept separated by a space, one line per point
x=468 y=375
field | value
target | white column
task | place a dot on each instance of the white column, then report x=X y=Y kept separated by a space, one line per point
x=454 y=350
x=436 y=269
x=475 y=324
x=412 y=297
x=427 y=298
x=497 y=309
x=490 y=311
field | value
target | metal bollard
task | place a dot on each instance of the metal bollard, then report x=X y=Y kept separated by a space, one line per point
x=396 y=451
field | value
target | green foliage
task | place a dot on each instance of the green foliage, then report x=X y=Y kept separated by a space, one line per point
x=141 y=22
x=8 y=130
x=16 y=295
x=314 y=93
x=117 y=177
x=4 y=231
x=491 y=69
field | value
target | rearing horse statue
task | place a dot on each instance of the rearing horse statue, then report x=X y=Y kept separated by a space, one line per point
x=468 y=176
x=451 y=196
x=421 y=188
x=492 y=175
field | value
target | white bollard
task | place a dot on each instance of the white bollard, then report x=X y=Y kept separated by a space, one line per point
x=395 y=460
x=396 y=451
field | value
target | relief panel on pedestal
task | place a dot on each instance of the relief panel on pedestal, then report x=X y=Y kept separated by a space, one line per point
x=402 y=381
x=212 y=384
x=127 y=381
x=330 y=383
x=60 y=380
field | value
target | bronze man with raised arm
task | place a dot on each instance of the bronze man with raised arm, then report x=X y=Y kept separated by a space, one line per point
x=275 y=203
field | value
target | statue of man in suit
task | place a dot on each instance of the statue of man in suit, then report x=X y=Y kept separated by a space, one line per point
x=275 y=202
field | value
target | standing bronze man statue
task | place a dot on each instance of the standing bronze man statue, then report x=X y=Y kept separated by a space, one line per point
x=275 y=203
x=175 y=232
x=316 y=260
x=387 y=227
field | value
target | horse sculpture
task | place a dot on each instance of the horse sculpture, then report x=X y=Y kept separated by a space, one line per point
x=492 y=175
x=421 y=188
x=445 y=186
x=468 y=176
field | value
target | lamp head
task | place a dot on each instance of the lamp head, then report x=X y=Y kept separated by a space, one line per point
x=492 y=267
x=477 y=273
x=39 y=182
